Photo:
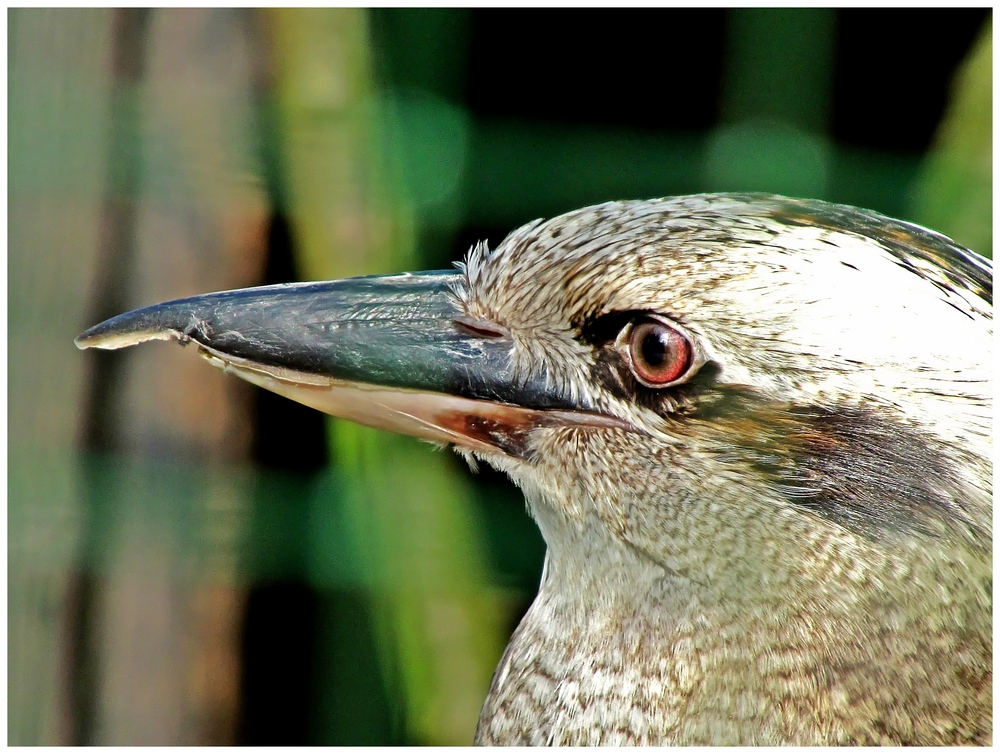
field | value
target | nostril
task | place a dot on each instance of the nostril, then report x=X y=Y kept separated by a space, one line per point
x=480 y=328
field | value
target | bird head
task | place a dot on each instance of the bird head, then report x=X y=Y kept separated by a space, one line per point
x=695 y=386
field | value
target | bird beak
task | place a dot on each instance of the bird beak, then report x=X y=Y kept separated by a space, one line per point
x=393 y=352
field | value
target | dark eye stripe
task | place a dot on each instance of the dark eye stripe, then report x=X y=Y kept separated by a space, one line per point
x=602 y=330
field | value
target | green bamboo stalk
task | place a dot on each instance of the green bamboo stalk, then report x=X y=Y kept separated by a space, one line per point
x=436 y=620
x=955 y=191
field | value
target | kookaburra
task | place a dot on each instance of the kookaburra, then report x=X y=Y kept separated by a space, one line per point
x=755 y=433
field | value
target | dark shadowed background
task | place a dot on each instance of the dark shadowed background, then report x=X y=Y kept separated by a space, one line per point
x=194 y=561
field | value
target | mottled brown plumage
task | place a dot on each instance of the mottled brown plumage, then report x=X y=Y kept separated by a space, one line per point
x=770 y=524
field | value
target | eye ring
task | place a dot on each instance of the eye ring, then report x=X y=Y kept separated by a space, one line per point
x=658 y=353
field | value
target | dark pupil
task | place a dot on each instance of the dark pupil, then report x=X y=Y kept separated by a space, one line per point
x=654 y=348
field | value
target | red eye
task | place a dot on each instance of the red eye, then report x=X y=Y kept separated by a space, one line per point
x=659 y=354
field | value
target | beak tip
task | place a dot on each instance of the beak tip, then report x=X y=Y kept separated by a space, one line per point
x=166 y=321
x=109 y=337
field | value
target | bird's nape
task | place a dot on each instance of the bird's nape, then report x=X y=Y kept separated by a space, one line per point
x=755 y=433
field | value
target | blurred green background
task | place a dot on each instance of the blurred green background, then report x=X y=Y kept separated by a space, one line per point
x=194 y=561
